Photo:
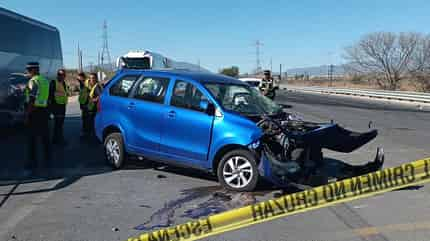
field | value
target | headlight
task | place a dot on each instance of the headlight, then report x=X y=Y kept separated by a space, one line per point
x=14 y=90
x=254 y=145
x=11 y=90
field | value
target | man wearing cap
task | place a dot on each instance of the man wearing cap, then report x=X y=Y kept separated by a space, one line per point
x=37 y=114
x=58 y=95
x=267 y=85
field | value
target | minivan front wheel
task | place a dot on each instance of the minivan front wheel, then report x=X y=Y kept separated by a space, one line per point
x=238 y=171
x=114 y=150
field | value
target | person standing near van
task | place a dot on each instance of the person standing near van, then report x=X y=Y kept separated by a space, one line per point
x=84 y=92
x=37 y=114
x=59 y=95
x=93 y=99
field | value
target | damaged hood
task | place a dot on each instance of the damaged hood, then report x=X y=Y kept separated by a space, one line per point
x=336 y=138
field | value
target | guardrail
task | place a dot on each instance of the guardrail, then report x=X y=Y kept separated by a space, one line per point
x=381 y=94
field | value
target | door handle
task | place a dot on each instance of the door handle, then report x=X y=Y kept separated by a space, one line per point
x=131 y=105
x=171 y=114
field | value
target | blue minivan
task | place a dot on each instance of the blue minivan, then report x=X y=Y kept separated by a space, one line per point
x=206 y=121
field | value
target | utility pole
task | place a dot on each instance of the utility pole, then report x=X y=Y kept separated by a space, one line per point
x=271 y=69
x=105 y=54
x=280 y=72
x=258 y=44
x=80 y=67
x=330 y=69
x=330 y=74
x=99 y=60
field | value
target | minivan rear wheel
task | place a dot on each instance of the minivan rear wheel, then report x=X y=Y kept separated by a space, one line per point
x=237 y=171
x=114 y=150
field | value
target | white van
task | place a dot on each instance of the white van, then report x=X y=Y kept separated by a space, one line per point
x=254 y=82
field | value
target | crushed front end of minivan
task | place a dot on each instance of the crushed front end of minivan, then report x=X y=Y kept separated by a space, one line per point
x=290 y=151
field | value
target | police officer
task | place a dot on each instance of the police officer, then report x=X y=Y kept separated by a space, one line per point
x=267 y=85
x=93 y=99
x=37 y=114
x=83 y=102
x=59 y=95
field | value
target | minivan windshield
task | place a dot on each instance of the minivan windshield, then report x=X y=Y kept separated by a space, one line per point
x=243 y=99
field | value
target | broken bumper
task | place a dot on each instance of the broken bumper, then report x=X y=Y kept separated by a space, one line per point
x=309 y=165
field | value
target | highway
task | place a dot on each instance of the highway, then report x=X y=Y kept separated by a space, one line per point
x=80 y=198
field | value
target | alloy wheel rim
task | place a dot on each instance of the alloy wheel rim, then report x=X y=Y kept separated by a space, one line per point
x=113 y=151
x=237 y=172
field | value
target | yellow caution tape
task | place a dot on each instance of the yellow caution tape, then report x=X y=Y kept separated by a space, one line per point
x=389 y=179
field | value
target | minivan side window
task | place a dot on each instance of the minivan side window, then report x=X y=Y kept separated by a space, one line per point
x=152 y=89
x=186 y=95
x=123 y=86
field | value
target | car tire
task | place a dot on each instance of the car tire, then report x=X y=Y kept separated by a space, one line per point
x=238 y=171
x=114 y=150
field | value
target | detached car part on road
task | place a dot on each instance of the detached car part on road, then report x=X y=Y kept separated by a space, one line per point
x=218 y=124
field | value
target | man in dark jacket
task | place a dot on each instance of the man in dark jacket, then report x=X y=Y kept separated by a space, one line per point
x=59 y=94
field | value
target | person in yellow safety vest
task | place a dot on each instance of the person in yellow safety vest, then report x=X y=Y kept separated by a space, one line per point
x=83 y=102
x=59 y=95
x=94 y=96
x=37 y=114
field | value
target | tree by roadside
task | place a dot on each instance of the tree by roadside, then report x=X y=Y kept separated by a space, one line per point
x=232 y=71
x=388 y=55
x=419 y=65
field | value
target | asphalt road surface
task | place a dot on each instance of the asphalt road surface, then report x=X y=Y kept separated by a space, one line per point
x=80 y=198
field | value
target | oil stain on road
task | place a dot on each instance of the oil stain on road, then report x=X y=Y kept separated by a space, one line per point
x=197 y=203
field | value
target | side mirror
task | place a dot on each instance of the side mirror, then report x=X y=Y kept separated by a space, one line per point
x=276 y=88
x=210 y=109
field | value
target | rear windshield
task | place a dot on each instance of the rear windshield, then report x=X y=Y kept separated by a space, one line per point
x=137 y=63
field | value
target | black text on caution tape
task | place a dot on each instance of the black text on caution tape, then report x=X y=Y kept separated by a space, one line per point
x=372 y=182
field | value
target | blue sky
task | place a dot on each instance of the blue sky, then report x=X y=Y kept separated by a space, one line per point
x=223 y=32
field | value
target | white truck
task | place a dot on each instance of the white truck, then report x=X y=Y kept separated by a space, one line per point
x=151 y=60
